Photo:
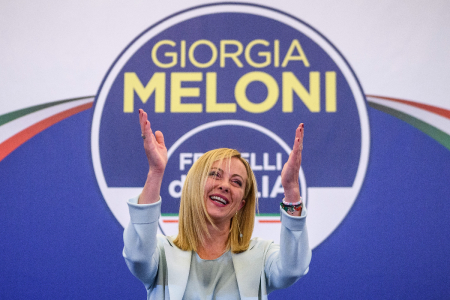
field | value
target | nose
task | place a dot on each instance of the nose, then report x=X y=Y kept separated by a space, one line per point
x=224 y=186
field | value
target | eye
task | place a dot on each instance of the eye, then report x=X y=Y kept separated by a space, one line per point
x=238 y=182
x=213 y=173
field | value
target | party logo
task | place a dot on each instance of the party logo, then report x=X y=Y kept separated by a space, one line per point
x=239 y=76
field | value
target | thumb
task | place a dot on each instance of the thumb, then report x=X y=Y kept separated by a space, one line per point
x=159 y=137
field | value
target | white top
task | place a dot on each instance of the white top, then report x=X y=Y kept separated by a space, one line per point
x=164 y=269
x=212 y=279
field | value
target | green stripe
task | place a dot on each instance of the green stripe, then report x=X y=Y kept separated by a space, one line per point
x=440 y=136
x=25 y=111
x=169 y=215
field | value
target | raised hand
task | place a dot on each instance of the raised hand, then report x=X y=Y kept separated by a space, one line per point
x=289 y=174
x=156 y=152
x=154 y=146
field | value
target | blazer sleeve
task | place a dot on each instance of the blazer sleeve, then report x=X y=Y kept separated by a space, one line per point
x=287 y=262
x=140 y=243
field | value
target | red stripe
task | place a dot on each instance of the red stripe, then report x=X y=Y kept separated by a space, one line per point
x=170 y=221
x=437 y=110
x=18 y=139
x=269 y=221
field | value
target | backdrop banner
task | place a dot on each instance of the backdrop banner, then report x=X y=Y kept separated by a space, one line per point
x=368 y=86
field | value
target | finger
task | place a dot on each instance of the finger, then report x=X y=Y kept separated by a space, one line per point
x=301 y=135
x=298 y=138
x=296 y=154
x=148 y=133
x=160 y=138
x=147 y=129
x=300 y=131
x=142 y=119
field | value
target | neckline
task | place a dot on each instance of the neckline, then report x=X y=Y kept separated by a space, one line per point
x=220 y=257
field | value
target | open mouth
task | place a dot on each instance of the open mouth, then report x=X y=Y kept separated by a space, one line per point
x=219 y=200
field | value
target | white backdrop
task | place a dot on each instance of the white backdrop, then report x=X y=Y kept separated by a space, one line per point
x=53 y=50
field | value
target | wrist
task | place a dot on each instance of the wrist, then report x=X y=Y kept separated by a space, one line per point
x=151 y=191
x=154 y=177
x=156 y=173
x=292 y=208
x=292 y=195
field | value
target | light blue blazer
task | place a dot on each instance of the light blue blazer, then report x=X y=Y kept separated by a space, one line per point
x=164 y=268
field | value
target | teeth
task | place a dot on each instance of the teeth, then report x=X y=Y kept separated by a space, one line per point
x=218 y=199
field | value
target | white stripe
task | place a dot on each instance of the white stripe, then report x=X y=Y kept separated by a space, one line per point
x=15 y=126
x=431 y=118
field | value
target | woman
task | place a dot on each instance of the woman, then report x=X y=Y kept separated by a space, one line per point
x=213 y=256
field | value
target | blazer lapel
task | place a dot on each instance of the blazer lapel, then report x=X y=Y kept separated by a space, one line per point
x=248 y=267
x=178 y=266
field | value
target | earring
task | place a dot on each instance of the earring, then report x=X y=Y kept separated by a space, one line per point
x=237 y=221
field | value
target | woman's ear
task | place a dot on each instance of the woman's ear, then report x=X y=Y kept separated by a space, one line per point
x=242 y=204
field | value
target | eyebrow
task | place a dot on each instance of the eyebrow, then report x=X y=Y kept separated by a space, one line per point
x=223 y=171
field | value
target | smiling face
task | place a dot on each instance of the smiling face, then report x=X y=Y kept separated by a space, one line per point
x=225 y=189
x=214 y=190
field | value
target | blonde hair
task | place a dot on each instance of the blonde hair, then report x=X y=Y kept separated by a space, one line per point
x=193 y=217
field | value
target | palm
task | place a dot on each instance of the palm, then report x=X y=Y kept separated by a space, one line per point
x=291 y=169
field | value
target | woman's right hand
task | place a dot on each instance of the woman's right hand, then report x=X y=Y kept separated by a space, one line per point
x=154 y=146
x=156 y=152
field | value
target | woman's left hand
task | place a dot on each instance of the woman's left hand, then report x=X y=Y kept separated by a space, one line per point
x=291 y=169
